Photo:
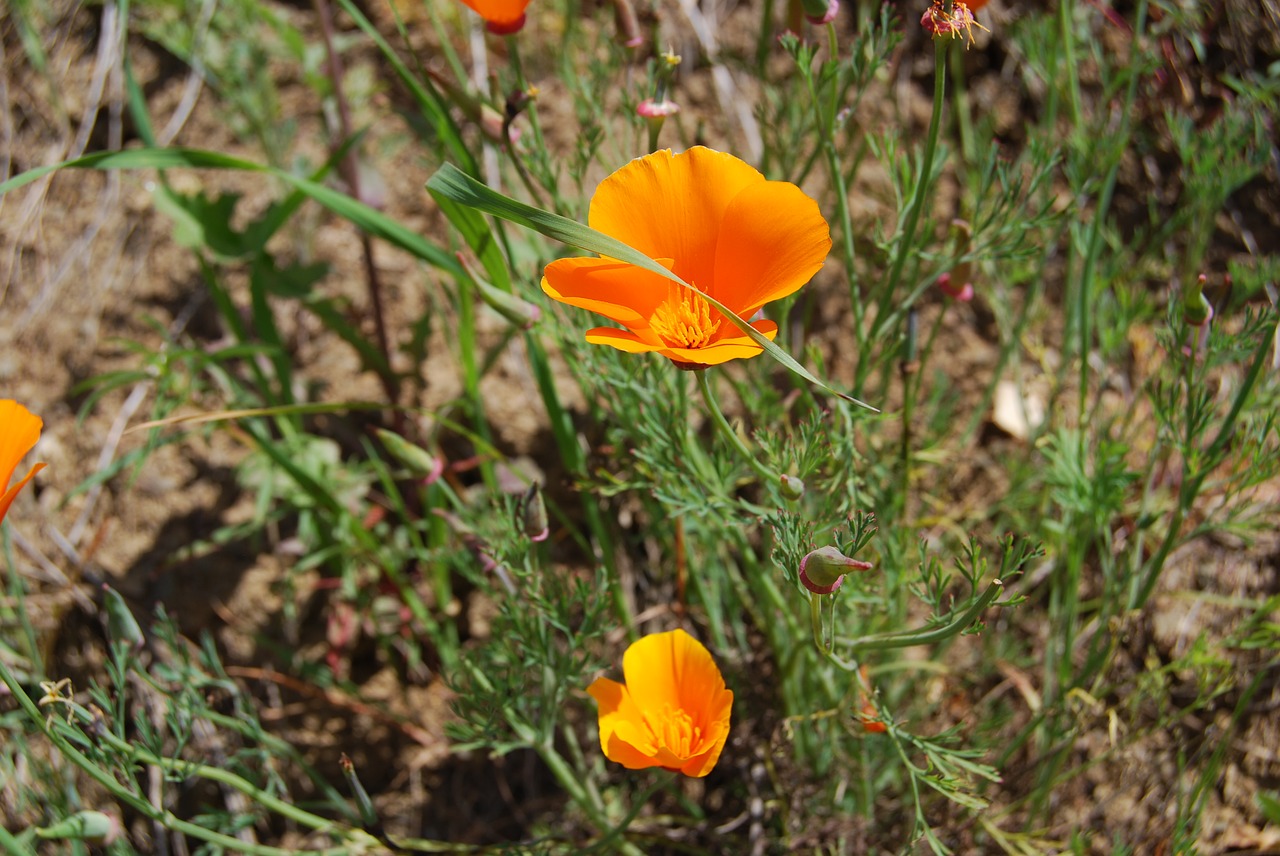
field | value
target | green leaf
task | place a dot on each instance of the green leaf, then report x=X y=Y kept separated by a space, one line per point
x=451 y=183
x=369 y=219
x=1270 y=805
x=200 y=221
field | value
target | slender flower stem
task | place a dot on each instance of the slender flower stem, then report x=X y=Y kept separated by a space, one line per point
x=826 y=120
x=726 y=430
x=13 y=845
x=910 y=638
x=906 y=242
x=351 y=175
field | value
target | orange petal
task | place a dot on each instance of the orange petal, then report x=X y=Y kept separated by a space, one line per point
x=624 y=738
x=773 y=239
x=19 y=432
x=672 y=669
x=620 y=292
x=670 y=206
x=623 y=340
x=699 y=765
x=12 y=493
x=500 y=12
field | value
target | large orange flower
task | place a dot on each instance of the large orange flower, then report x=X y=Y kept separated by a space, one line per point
x=716 y=223
x=673 y=711
x=19 y=431
x=500 y=16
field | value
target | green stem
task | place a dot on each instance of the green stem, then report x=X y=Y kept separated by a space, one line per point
x=826 y=128
x=1084 y=292
x=359 y=839
x=1191 y=482
x=13 y=845
x=910 y=638
x=923 y=182
x=728 y=434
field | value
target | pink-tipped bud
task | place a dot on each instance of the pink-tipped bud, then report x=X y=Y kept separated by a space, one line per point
x=624 y=16
x=1195 y=306
x=533 y=513
x=963 y=293
x=792 y=487
x=823 y=17
x=822 y=570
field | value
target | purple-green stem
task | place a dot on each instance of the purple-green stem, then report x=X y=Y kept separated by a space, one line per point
x=351 y=174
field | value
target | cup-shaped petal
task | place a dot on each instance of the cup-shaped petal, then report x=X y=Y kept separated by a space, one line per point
x=19 y=432
x=673 y=711
x=716 y=223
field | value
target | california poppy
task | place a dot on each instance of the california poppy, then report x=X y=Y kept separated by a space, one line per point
x=673 y=711
x=502 y=17
x=19 y=431
x=716 y=223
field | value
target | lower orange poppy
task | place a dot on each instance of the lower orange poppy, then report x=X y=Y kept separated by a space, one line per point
x=673 y=710
x=715 y=222
x=19 y=432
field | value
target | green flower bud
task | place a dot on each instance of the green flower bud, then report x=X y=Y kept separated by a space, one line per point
x=792 y=487
x=822 y=570
x=420 y=462
x=92 y=826
x=533 y=512
x=121 y=624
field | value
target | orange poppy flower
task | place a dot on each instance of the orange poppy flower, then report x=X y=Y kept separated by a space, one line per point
x=673 y=711
x=716 y=223
x=502 y=17
x=19 y=431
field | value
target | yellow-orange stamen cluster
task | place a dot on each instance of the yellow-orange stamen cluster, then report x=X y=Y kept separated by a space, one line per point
x=684 y=320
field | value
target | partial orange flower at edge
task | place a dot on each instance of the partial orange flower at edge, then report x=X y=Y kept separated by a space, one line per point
x=673 y=710
x=502 y=17
x=715 y=222
x=19 y=431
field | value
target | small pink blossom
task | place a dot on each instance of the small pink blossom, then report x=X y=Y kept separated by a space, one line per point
x=651 y=109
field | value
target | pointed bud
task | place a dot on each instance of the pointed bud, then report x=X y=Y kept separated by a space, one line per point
x=121 y=625
x=421 y=463
x=792 y=487
x=624 y=16
x=1195 y=306
x=368 y=816
x=533 y=513
x=94 y=827
x=955 y=289
x=519 y=312
x=822 y=571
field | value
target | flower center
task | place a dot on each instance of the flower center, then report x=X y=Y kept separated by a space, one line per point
x=684 y=321
x=674 y=730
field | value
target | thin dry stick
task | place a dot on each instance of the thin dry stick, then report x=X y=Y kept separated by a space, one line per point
x=705 y=28
x=337 y=699
x=351 y=174
x=195 y=80
x=107 y=83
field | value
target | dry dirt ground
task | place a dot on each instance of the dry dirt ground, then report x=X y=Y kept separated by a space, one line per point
x=87 y=264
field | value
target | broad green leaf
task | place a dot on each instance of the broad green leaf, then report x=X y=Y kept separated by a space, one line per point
x=451 y=183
